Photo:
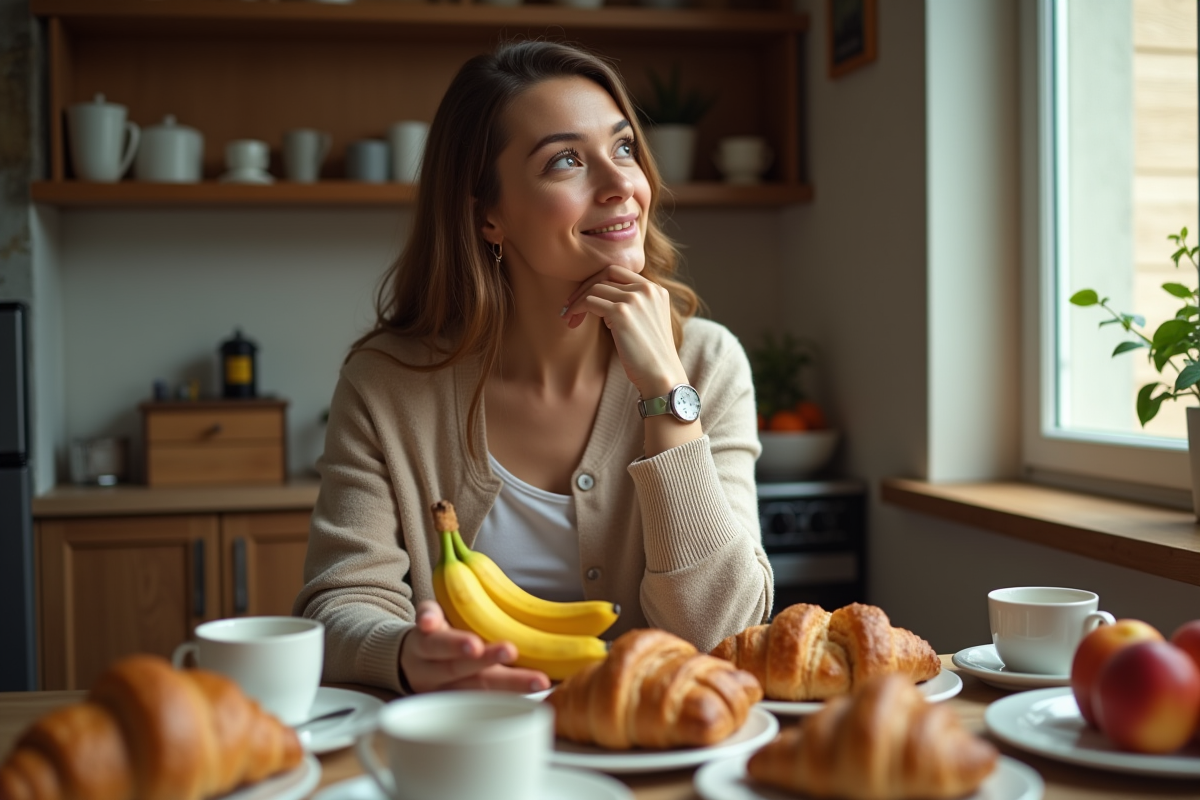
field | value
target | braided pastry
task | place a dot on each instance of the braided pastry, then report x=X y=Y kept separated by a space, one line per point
x=807 y=653
x=654 y=690
x=151 y=732
x=884 y=742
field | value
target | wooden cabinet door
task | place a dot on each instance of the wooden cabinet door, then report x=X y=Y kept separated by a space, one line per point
x=263 y=561
x=112 y=586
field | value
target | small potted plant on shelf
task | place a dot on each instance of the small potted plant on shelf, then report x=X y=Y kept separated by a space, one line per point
x=797 y=441
x=670 y=118
x=1175 y=344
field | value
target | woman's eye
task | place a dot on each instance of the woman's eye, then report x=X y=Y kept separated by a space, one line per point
x=625 y=150
x=565 y=161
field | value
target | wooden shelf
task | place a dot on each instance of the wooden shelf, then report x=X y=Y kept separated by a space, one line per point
x=1158 y=541
x=392 y=17
x=136 y=194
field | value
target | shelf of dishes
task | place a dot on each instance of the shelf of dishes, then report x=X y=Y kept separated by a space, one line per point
x=377 y=17
x=132 y=194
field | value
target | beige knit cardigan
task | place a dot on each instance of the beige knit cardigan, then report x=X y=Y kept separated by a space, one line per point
x=674 y=539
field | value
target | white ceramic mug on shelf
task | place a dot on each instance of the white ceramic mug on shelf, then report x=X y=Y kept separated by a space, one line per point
x=461 y=746
x=275 y=660
x=304 y=150
x=103 y=143
x=407 y=140
x=1036 y=629
x=743 y=159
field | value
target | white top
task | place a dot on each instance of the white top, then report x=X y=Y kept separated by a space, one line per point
x=531 y=535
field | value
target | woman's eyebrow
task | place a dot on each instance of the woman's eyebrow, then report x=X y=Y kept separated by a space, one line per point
x=572 y=137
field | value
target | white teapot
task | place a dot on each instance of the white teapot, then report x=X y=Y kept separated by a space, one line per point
x=169 y=153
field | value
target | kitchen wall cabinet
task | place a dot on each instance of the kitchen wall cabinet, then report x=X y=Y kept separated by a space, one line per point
x=112 y=586
x=236 y=69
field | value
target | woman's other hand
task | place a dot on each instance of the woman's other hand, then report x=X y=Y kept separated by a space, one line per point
x=435 y=656
x=638 y=312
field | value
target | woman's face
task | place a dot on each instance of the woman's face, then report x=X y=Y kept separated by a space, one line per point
x=573 y=198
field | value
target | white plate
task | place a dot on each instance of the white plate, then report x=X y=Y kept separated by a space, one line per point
x=984 y=663
x=940 y=687
x=334 y=734
x=760 y=728
x=560 y=784
x=288 y=786
x=1047 y=722
x=726 y=780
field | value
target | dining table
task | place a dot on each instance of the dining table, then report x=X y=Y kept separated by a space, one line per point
x=1063 y=781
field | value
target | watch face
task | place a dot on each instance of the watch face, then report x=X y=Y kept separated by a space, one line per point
x=685 y=403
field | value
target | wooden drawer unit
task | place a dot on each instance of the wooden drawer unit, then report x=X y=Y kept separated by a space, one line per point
x=214 y=442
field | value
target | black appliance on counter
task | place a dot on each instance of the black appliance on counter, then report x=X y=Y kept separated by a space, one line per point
x=17 y=632
x=814 y=534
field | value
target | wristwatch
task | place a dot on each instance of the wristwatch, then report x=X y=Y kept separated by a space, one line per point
x=682 y=402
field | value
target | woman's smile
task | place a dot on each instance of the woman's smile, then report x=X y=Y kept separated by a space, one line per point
x=618 y=230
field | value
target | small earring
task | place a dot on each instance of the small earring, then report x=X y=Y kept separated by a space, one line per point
x=498 y=253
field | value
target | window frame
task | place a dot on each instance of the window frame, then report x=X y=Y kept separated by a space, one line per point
x=1126 y=465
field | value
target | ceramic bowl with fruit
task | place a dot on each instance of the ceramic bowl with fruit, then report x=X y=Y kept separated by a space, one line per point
x=797 y=442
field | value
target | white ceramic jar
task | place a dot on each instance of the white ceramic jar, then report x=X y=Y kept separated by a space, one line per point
x=170 y=153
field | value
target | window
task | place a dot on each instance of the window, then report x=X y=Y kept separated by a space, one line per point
x=1116 y=110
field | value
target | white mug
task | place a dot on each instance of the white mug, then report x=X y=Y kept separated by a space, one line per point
x=103 y=143
x=275 y=660
x=247 y=154
x=461 y=746
x=304 y=149
x=743 y=159
x=1036 y=629
x=407 y=139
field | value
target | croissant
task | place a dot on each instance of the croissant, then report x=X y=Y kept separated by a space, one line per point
x=653 y=690
x=884 y=742
x=807 y=653
x=151 y=732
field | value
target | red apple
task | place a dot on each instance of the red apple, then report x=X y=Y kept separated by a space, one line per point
x=1187 y=639
x=1147 y=698
x=1095 y=650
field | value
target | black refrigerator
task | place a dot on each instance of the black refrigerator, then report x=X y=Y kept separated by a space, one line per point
x=17 y=633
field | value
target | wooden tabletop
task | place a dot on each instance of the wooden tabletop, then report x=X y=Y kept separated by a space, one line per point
x=1063 y=781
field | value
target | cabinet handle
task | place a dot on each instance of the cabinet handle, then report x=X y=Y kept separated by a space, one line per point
x=241 y=594
x=199 y=601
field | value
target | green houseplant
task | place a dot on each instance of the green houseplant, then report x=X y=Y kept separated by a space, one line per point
x=1175 y=343
x=670 y=116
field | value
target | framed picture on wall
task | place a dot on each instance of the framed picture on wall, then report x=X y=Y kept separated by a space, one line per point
x=853 y=30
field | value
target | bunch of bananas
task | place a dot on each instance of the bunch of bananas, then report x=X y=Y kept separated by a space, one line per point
x=475 y=594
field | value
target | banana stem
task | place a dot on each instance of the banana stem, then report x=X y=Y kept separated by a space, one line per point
x=460 y=547
x=448 y=556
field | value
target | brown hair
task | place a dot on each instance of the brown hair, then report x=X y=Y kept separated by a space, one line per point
x=443 y=288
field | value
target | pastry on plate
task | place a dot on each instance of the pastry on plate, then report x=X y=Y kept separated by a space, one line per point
x=151 y=732
x=653 y=690
x=883 y=742
x=808 y=653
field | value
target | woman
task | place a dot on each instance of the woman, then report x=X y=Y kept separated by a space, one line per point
x=531 y=310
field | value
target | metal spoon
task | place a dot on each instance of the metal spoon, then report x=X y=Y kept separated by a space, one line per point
x=341 y=712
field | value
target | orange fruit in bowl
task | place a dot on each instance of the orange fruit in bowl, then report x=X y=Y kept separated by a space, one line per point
x=787 y=421
x=811 y=413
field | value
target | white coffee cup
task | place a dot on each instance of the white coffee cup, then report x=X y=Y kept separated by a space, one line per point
x=407 y=140
x=461 y=746
x=247 y=154
x=743 y=159
x=275 y=660
x=304 y=149
x=1036 y=629
x=103 y=143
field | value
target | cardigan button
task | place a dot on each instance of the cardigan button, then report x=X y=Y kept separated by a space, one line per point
x=585 y=481
x=593 y=574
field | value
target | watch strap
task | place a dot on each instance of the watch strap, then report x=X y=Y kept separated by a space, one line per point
x=654 y=406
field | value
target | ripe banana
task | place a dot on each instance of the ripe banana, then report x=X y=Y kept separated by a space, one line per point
x=469 y=607
x=583 y=618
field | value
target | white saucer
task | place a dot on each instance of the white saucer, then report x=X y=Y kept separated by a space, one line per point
x=726 y=780
x=247 y=176
x=1047 y=722
x=334 y=734
x=292 y=785
x=943 y=686
x=560 y=784
x=984 y=663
